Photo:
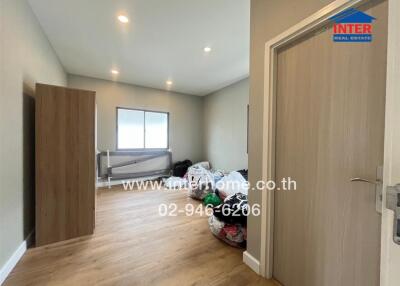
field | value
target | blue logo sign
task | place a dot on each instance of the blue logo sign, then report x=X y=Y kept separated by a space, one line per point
x=352 y=25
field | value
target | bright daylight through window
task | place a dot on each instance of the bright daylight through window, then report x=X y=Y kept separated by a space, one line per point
x=139 y=129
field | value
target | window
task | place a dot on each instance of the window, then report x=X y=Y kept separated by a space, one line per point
x=140 y=129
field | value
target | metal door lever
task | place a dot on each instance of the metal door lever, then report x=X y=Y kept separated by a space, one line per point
x=378 y=187
x=377 y=182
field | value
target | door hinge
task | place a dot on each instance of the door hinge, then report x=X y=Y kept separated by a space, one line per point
x=393 y=203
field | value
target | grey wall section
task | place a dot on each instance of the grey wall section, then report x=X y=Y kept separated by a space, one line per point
x=26 y=57
x=186 y=126
x=225 y=127
x=268 y=19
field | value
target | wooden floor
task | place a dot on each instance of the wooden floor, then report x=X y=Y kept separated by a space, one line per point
x=134 y=245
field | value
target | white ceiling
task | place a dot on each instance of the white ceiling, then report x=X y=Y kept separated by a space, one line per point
x=163 y=40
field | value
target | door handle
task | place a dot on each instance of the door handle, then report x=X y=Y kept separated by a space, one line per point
x=378 y=187
x=376 y=182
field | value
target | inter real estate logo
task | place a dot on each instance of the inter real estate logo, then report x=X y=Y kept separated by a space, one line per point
x=352 y=25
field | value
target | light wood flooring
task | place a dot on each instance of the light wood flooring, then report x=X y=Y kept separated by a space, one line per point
x=134 y=245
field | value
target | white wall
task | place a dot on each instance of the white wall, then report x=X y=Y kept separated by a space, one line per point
x=225 y=127
x=186 y=126
x=26 y=57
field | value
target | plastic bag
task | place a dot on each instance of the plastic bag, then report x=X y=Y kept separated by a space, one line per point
x=232 y=184
x=205 y=165
x=218 y=175
x=212 y=199
x=201 y=182
x=234 y=210
x=234 y=235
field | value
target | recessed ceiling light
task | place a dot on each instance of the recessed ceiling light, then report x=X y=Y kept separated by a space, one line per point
x=207 y=49
x=123 y=19
x=169 y=82
x=114 y=71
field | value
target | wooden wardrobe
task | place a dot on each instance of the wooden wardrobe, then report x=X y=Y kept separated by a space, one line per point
x=65 y=163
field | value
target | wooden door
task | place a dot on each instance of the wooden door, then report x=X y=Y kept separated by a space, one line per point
x=330 y=128
x=65 y=163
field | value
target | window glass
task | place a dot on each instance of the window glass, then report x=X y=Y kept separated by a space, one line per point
x=139 y=129
x=130 y=129
x=156 y=130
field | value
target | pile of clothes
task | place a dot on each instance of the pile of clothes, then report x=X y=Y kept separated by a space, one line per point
x=226 y=193
x=229 y=220
x=198 y=178
x=202 y=181
x=178 y=180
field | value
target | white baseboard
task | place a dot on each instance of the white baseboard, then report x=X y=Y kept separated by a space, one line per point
x=13 y=260
x=250 y=261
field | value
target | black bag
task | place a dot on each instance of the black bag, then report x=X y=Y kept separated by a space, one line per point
x=236 y=210
x=180 y=168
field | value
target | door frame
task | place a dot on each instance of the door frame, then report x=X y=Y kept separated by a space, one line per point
x=303 y=28
x=390 y=252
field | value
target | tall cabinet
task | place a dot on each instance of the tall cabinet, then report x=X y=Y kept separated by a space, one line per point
x=65 y=163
